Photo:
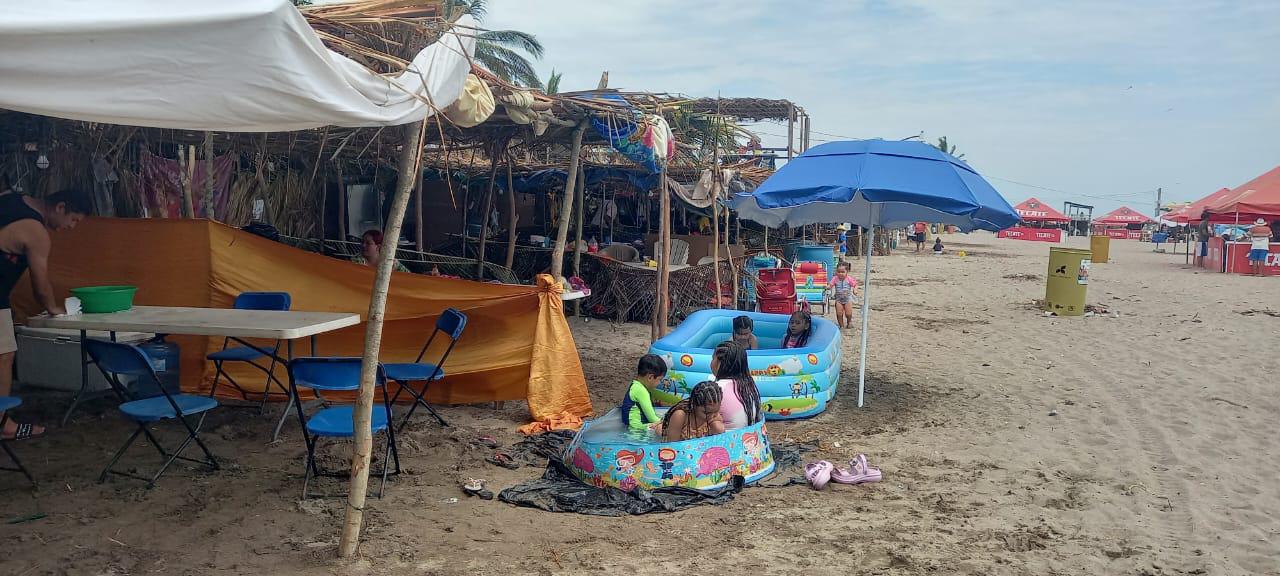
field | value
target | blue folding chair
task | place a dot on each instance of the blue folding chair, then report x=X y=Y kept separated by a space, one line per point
x=117 y=359
x=8 y=403
x=338 y=374
x=451 y=323
x=279 y=301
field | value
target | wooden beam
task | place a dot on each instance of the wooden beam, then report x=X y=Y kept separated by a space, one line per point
x=207 y=152
x=484 y=216
x=580 y=191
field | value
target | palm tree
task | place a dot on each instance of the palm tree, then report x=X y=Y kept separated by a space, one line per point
x=948 y=148
x=553 y=83
x=500 y=51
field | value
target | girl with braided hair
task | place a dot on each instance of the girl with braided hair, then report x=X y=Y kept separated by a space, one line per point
x=741 y=404
x=696 y=416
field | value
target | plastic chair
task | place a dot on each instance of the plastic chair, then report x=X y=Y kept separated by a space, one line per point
x=451 y=323
x=8 y=403
x=115 y=359
x=278 y=301
x=337 y=374
x=679 y=252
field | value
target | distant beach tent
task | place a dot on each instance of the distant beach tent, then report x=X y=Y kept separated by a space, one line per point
x=1123 y=216
x=1257 y=198
x=1033 y=210
x=1191 y=212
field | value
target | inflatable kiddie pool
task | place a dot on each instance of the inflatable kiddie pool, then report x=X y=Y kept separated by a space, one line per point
x=793 y=383
x=603 y=454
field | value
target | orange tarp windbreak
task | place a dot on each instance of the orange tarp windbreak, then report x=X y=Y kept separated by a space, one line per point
x=516 y=345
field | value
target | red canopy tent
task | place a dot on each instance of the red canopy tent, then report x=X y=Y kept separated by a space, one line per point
x=1257 y=198
x=1033 y=210
x=1191 y=212
x=1122 y=216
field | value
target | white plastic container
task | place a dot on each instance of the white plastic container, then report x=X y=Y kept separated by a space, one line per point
x=50 y=358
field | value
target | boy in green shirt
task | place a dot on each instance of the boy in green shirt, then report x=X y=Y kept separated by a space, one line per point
x=637 y=405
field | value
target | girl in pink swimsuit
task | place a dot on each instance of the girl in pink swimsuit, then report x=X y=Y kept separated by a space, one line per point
x=740 y=402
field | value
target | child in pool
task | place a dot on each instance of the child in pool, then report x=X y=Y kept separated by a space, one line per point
x=740 y=399
x=798 y=330
x=743 y=332
x=696 y=416
x=637 y=405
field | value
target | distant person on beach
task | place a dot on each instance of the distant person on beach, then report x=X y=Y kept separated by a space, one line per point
x=371 y=251
x=25 y=223
x=1259 y=245
x=1203 y=233
x=696 y=416
x=744 y=332
x=919 y=236
x=937 y=245
x=843 y=288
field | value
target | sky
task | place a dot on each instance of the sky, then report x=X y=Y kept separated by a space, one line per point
x=1096 y=102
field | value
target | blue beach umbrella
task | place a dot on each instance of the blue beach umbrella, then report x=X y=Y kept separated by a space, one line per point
x=876 y=183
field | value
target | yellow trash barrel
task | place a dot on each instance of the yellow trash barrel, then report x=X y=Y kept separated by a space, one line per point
x=1067 y=281
x=1101 y=247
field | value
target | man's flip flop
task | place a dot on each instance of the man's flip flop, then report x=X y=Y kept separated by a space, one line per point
x=818 y=473
x=504 y=460
x=25 y=431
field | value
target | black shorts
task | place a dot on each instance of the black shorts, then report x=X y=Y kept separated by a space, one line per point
x=919 y=236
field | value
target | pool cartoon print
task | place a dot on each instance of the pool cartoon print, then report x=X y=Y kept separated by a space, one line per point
x=701 y=463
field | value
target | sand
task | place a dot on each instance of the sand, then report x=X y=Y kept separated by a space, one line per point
x=1140 y=442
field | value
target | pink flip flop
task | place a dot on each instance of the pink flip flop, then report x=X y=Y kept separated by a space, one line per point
x=818 y=473
x=859 y=472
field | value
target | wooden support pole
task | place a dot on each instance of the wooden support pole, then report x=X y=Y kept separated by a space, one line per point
x=186 y=167
x=661 y=312
x=207 y=152
x=566 y=204
x=419 y=227
x=409 y=171
x=580 y=191
x=791 y=130
x=481 y=258
x=512 y=217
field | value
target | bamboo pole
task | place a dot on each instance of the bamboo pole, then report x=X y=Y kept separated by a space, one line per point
x=661 y=312
x=207 y=152
x=419 y=227
x=566 y=210
x=409 y=168
x=512 y=218
x=715 y=203
x=580 y=191
x=484 y=218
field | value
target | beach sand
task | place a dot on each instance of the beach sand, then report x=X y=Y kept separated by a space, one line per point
x=1142 y=441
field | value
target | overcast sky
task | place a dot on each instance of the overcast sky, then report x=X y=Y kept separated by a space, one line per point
x=1100 y=101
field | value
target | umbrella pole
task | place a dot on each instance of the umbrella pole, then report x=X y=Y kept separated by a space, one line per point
x=866 y=314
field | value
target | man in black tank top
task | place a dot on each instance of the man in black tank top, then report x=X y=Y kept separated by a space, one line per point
x=25 y=223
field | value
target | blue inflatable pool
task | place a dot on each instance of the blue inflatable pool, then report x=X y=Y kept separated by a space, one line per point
x=604 y=454
x=793 y=383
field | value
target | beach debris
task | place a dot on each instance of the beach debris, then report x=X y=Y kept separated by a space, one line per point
x=1225 y=401
x=450 y=501
x=475 y=487
x=1254 y=312
x=504 y=460
x=1053 y=412
x=1027 y=277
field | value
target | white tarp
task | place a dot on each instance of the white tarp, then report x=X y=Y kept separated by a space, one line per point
x=221 y=65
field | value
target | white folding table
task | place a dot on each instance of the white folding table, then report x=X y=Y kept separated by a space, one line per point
x=226 y=322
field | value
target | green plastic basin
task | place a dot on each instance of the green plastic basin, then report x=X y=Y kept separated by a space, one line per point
x=104 y=299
